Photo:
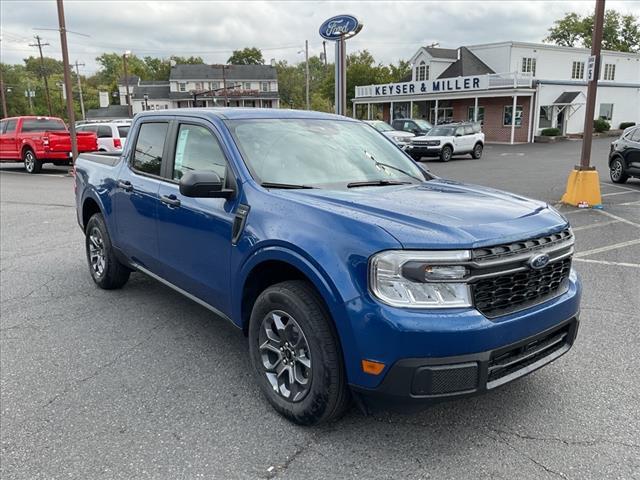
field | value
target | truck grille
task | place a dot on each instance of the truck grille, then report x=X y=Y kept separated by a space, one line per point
x=426 y=143
x=514 y=248
x=502 y=294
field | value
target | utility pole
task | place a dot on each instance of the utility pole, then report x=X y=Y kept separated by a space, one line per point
x=4 y=100
x=29 y=97
x=306 y=68
x=78 y=65
x=67 y=81
x=224 y=85
x=324 y=47
x=43 y=72
x=126 y=82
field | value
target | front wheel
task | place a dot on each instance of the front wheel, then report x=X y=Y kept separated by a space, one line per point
x=477 y=151
x=446 y=153
x=31 y=163
x=616 y=172
x=107 y=272
x=296 y=355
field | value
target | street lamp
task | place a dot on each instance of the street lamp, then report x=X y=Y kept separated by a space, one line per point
x=126 y=81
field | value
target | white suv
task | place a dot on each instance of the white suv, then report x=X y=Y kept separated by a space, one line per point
x=111 y=136
x=445 y=141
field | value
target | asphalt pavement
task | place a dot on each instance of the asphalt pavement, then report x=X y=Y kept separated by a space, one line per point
x=143 y=383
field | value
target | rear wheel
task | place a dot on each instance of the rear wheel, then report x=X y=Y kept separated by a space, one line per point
x=616 y=171
x=296 y=355
x=107 y=272
x=31 y=163
x=446 y=153
x=477 y=151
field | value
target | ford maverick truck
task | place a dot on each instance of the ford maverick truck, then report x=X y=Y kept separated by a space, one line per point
x=353 y=271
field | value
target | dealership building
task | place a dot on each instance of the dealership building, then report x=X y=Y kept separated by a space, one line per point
x=515 y=89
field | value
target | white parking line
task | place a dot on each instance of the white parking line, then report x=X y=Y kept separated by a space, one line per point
x=607 y=248
x=58 y=175
x=637 y=202
x=615 y=193
x=618 y=186
x=594 y=225
x=619 y=218
x=604 y=262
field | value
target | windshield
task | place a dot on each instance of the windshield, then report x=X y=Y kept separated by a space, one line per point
x=381 y=126
x=320 y=153
x=423 y=124
x=441 y=132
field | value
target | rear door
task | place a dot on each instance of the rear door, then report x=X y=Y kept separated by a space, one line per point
x=105 y=138
x=632 y=151
x=194 y=234
x=135 y=197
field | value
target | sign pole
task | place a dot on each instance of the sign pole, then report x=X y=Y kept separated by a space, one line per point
x=583 y=184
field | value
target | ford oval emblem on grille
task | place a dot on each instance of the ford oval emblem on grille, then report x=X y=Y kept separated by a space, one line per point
x=539 y=261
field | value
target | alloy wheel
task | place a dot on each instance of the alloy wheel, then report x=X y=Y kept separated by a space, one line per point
x=616 y=170
x=96 y=252
x=285 y=355
x=29 y=161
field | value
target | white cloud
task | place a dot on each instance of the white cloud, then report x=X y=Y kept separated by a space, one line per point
x=392 y=30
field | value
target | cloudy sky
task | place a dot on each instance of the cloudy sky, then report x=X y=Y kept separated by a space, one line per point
x=392 y=30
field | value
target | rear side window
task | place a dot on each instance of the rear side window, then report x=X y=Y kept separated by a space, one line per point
x=11 y=126
x=43 y=124
x=468 y=130
x=123 y=131
x=635 y=135
x=147 y=156
x=198 y=149
x=459 y=131
x=104 y=131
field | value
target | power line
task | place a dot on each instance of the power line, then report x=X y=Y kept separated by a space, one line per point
x=43 y=71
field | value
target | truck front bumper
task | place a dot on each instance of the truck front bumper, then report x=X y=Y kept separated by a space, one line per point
x=413 y=383
x=419 y=151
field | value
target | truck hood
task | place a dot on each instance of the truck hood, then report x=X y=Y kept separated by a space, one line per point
x=398 y=134
x=424 y=138
x=439 y=214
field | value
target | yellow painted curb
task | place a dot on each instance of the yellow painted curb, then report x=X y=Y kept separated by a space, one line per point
x=582 y=186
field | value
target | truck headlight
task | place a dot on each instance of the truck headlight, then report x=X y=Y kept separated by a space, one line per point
x=420 y=279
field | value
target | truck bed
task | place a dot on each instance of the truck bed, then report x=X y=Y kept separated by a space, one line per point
x=109 y=159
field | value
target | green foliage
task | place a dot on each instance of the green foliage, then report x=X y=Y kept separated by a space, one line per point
x=550 y=132
x=246 y=56
x=620 y=32
x=601 y=125
x=624 y=125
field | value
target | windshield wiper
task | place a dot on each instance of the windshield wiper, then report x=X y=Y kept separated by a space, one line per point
x=290 y=186
x=376 y=183
x=393 y=167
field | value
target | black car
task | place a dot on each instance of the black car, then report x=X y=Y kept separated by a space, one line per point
x=416 y=126
x=624 y=157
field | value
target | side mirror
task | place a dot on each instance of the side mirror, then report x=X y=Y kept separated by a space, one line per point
x=203 y=184
x=416 y=131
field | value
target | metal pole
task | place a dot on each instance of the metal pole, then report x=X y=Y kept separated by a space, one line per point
x=43 y=72
x=596 y=45
x=29 y=97
x=84 y=117
x=4 y=100
x=306 y=68
x=224 y=85
x=126 y=85
x=513 y=118
x=67 y=81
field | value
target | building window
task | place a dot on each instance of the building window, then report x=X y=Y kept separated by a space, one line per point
x=265 y=86
x=545 y=116
x=422 y=72
x=198 y=86
x=609 y=71
x=480 y=114
x=606 y=111
x=529 y=65
x=247 y=85
x=508 y=115
x=577 y=71
x=182 y=87
x=166 y=107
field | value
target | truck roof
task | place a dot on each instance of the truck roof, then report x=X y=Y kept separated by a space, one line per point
x=235 y=113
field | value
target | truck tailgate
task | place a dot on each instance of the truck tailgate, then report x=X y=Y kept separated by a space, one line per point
x=61 y=141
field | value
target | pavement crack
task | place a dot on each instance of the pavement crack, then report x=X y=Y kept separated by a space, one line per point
x=276 y=470
x=568 y=442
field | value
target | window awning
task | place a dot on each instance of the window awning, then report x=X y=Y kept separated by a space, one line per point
x=567 y=98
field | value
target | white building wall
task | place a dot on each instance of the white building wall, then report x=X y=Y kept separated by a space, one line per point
x=497 y=57
x=436 y=65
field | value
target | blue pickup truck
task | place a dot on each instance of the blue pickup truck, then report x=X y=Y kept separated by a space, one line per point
x=355 y=273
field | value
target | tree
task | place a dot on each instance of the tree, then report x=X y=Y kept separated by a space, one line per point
x=246 y=56
x=620 y=32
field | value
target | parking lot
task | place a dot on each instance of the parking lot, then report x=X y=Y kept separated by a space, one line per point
x=143 y=383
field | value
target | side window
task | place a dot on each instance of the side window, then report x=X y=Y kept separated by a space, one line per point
x=198 y=149
x=11 y=126
x=468 y=129
x=3 y=124
x=147 y=156
x=104 y=131
x=635 y=136
x=459 y=131
x=409 y=126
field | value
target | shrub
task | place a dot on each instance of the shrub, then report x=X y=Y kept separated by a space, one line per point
x=550 y=132
x=624 y=125
x=600 y=125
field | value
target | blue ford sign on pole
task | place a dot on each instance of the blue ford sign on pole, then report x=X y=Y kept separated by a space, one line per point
x=338 y=29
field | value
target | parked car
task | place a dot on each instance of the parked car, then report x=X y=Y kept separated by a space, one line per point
x=111 y=136
x=352 y=270
x=445 y=141
x=416 y=126
x=402 y=139
x=39 y=140
x=624 y=156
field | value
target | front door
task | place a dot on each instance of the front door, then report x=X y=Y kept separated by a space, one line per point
x=560 y=120
x=8 y=141
x=194 y=234
x=135 y=198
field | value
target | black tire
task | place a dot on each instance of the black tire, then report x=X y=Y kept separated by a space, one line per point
x=31 y=163
x=616 y=171
x=446 y=153
x=477 y=151
x=112 y=274
x=327 y=396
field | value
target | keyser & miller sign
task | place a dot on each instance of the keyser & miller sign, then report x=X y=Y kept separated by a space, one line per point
x=458 y=84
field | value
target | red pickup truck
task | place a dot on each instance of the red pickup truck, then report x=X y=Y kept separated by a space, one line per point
x=38 y=140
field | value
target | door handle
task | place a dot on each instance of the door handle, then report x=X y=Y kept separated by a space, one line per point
x=125 y=185
x=170 y=200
